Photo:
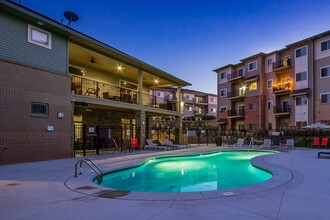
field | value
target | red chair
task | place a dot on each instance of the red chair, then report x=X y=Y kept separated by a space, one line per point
x=324 y=143
x=117 y=146
x=134 y=143
x=316 y=142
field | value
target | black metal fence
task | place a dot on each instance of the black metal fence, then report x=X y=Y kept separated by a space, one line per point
x=91 y=140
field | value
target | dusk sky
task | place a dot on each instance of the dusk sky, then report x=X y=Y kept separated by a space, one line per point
x=190 y=38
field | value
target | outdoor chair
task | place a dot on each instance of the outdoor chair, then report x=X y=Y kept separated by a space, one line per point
x=158 y=143
x=152 y=146
x=324 y=143
x=289 y=143
x=266 y=143
x=174 y=142
x=117 y=146
x=180 y=146
x=240 y=142
x=276 y=143
x=316 y=142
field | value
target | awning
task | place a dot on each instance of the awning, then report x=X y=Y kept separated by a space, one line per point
x=251 y=78
x=222 y=121
x=300 y=92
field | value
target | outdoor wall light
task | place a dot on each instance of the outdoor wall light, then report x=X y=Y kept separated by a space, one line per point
x=60 y=115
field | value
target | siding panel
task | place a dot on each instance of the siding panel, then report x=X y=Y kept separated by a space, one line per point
x=14 y=46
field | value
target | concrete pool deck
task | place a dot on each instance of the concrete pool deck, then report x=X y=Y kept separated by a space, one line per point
x=44 y=190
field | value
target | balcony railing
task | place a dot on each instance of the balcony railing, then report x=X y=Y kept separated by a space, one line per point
x=100 y=90
x=236 y=94
x=281 y=109
x=236 y=75
x=158 y=102
x=200 y=101
x=236 y=113
x=282 y=87
x=281 y=64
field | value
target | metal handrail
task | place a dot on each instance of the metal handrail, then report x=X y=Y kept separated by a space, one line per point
x=92 y=165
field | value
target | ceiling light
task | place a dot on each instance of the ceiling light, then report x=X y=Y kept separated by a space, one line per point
x=119 y=67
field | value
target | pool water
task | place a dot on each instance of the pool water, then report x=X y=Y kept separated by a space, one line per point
x=216 y=171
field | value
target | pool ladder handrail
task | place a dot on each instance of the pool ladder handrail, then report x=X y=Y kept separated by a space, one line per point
x=92 y=165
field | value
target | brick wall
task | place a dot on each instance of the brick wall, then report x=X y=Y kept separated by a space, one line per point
x=24 y=137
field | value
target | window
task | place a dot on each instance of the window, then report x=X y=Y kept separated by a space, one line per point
x=212 y=100
x=241 y=72
x=75 y=70
x=301 y=52
x=325 y=72
x=241 y=127
x=189 y=108
x=223 y=109
x=253 y=126
x=253 y=86
x=270 y=126
x=301 y=124
x=269 y=84
x=253 y=66
x=213 y=110
x=269 y=62
x=39 y=37
x=223 y=75
x=223 y=92
x=325 y=45
x=253 y=106
x=187 y=97
x=325 y=98
x=302 y=100
x=39 y=108
x=269 y=104
x=158 y=94
x=301 y=76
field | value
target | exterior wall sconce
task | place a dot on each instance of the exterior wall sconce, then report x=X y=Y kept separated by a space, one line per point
x=60 y=115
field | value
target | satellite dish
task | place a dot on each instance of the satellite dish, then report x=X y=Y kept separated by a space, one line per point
x=71 y=16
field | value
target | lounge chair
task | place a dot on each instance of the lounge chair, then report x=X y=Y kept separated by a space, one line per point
x=267 y=143
x=158 y=143
x=323 y=152
x=289 y=143
x=117 y=146
x=174 y=142
x=324 y=143
x=316 y=142
x=276 y=143
x=151 y=145
x=240 y=142
x=178 y=146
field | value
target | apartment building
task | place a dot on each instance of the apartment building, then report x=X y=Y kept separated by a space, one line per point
x=284 y=89
x=63 y=91
x=194 y=103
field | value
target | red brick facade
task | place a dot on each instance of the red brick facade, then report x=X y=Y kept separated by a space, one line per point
x=24 y=137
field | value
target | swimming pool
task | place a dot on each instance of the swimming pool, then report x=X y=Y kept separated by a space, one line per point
x=193 y=173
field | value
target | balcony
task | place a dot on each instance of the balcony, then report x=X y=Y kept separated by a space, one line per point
x=200 y=101
x=240 y=113
x=236 y=75
x=100 y=90
x=283 y=64
x=236 y=94
x=283 y=87
x=282 y=110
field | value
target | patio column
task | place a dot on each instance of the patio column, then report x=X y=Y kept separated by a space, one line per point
x=140 y=87
x=179 y=108
x=140 y=117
